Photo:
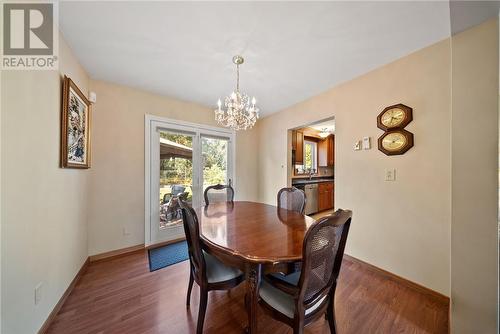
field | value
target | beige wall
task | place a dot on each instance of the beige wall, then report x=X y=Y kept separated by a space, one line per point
x=116 y=198
x=44 y=207
x=474 y=230
x=401 y=226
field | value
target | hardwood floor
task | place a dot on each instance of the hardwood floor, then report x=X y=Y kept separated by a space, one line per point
x=121 y=296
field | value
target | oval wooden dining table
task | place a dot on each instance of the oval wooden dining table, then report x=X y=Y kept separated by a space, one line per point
x=251 y=235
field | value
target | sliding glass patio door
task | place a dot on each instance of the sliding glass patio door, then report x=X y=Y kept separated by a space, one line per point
x=183 y=160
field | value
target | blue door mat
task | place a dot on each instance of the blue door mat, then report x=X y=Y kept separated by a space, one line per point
x=165 y=256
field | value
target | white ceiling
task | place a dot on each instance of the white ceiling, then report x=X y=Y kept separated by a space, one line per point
x=292 y=50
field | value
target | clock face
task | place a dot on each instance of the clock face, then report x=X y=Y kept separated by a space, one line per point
x=393 y=117
x=394 y=141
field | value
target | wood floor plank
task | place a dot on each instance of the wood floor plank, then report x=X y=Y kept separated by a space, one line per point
x=121 y=296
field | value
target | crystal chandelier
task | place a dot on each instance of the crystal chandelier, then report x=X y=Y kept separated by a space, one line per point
x=239 y=112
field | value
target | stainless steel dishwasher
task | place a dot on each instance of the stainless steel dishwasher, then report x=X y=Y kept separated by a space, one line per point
x=311 y=191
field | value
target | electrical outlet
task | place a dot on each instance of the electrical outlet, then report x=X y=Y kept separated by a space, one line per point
x=390 y=175
x=38 y=293
x=126 y=231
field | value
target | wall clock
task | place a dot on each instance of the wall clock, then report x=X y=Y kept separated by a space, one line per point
x=396 y=116
x=395 y=140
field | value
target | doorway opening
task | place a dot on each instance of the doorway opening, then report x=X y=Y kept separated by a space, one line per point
x=311 y=165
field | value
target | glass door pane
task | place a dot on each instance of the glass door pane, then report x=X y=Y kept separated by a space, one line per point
x=175 y=180
x=183 y=160
x=215 y=151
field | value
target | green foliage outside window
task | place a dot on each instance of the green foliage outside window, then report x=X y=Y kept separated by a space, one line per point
x=214 y=161
x=180 y=170
x=308 y=156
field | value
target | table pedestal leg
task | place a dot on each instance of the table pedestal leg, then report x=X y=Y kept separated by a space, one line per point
x=253 y=281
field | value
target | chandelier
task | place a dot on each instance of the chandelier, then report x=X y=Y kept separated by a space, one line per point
x=239 y=112
x=324 y=132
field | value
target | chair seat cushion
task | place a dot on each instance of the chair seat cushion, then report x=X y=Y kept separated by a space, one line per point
x=281 y=301
x=291 y=278
x=218 y=271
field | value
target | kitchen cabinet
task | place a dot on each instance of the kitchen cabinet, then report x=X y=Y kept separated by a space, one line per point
x=298 y=147
x=325 y=196
x=326 y=151
x=331 y=150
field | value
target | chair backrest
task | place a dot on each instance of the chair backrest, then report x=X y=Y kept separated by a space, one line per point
x=322 y=255
x=192 y=231
x=292 y=199
x=218 y=193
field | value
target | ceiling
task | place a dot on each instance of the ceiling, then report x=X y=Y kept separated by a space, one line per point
x=292 y=50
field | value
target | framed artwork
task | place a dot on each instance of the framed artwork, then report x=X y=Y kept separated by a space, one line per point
x=75 y=127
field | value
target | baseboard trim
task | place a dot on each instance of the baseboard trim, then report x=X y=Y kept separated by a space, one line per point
x=115 y=253
x=127 y=250
x=165 y=243
x=63 y=298
x=438 y=297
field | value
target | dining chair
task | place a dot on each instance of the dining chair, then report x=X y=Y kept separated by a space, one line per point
x=302 y=297
x=205 y=269
x=292 y=199
x=219 y=193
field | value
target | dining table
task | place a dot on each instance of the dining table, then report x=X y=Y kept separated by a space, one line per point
x=252 y=236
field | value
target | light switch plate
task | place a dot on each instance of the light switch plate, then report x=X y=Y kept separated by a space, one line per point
x=390 y=175
x=366 y=143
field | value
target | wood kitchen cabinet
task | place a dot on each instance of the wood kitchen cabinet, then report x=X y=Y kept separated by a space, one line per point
x=325 y=196
x=326 y=151
x=298 y=147
x=331 y=151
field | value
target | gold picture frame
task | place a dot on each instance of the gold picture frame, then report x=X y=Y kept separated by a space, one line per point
x=75 y=127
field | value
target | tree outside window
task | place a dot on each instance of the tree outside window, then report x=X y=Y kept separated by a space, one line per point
x=310 y=155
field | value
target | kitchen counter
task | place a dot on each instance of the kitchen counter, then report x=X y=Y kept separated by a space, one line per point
x=311 y=181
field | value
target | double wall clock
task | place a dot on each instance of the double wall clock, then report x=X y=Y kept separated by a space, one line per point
x=395 y=140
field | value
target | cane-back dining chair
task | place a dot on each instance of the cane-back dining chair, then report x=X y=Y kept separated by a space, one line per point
x=218 y=193
x=292 y=199
x=302 y=297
